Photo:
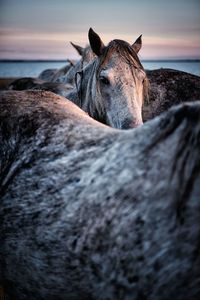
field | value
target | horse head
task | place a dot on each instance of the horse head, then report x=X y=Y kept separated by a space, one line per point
x=114 y=84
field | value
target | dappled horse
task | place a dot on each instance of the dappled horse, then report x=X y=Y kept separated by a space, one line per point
x=91 y=212
x=112 y=87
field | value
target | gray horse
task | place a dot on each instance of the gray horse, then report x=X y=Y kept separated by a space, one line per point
x=67 y=73
x=111 y=89
x=87 y=55
x=54 y=74
x=92 y=212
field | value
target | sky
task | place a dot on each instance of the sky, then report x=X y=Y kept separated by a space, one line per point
x=43 y=29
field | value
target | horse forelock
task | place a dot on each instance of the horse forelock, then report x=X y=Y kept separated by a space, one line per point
x=123 y=49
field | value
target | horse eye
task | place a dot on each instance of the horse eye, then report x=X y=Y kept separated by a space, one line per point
x=104 y=80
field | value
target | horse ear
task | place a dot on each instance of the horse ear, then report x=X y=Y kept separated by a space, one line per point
x=138 y=44
x=78 y=48
x=95 y=42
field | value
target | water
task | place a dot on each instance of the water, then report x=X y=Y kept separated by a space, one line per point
x=33 y=68
x=27 y=68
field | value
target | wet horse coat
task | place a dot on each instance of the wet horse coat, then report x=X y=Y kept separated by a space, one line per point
x=92 y=212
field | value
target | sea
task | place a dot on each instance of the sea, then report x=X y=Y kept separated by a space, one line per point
x=34 y=68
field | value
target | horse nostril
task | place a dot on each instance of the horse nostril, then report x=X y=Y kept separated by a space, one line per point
x=127 y=124
x=130 y=123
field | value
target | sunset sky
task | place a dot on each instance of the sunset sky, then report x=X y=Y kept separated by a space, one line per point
x=42 y=29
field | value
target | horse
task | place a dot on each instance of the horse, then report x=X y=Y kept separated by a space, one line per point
x=67 y=73
x=32 y=83
x=112 y=87
x=92 y=212
x=54 y=74
x=62 y=71
x=87 y=55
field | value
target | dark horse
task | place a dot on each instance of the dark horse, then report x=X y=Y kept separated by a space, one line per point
x=92 y=212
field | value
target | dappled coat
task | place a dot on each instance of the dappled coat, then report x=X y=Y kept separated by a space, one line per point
x=92 y=212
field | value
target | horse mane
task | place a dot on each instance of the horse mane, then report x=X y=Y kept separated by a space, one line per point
x=94 y=108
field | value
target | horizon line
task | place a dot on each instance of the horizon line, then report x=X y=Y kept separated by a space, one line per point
x=65 y=60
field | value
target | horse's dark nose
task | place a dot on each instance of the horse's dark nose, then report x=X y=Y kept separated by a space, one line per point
x=130 y=123
x=127 y=124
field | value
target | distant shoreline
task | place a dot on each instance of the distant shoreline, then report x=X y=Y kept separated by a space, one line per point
x=65 y=60
x=32 y=68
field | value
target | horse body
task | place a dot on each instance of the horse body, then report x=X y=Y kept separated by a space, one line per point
x=92 y=212
x=32 y=83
